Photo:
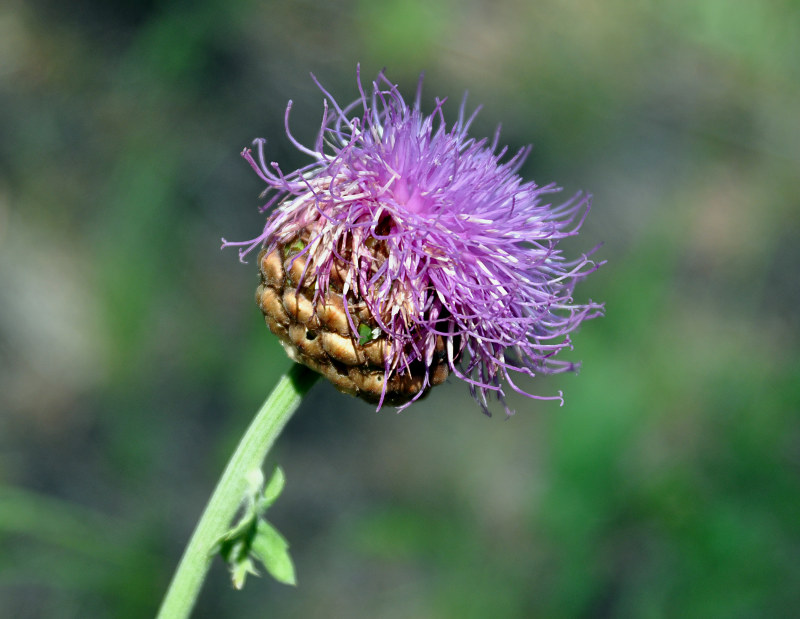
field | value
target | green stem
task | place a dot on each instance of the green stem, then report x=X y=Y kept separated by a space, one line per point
x=231 y=488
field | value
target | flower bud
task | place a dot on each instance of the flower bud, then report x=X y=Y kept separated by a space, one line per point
x=407 y=251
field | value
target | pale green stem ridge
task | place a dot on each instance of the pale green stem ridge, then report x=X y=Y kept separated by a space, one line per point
x=231 y=488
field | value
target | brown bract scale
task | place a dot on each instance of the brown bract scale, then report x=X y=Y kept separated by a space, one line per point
x=319 y=335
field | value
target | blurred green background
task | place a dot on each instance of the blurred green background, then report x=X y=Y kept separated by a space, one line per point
x=132 y=355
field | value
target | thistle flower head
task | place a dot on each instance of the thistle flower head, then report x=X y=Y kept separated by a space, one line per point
x=407 y=235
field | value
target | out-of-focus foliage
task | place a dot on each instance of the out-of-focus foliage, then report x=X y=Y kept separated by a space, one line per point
x=132 y=354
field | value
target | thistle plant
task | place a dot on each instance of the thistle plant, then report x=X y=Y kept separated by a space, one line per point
x=405 y=252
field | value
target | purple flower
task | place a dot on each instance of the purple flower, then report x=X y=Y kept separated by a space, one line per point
x=434 y=244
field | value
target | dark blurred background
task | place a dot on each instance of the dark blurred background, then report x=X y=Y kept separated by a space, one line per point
x=132 y=355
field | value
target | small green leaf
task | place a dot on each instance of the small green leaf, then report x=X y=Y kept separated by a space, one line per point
x=273 y=490
x=272 y=550
x=366 y=334
x=253 y=538
x=239 y=530
x=240 y=570
x=296 y=247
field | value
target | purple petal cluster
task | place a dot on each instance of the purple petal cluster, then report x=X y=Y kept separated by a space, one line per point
x=469 y=251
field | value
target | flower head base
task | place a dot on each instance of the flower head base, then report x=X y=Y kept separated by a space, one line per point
x=417 y=240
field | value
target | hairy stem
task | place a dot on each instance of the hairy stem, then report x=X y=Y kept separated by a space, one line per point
x=216 y=519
